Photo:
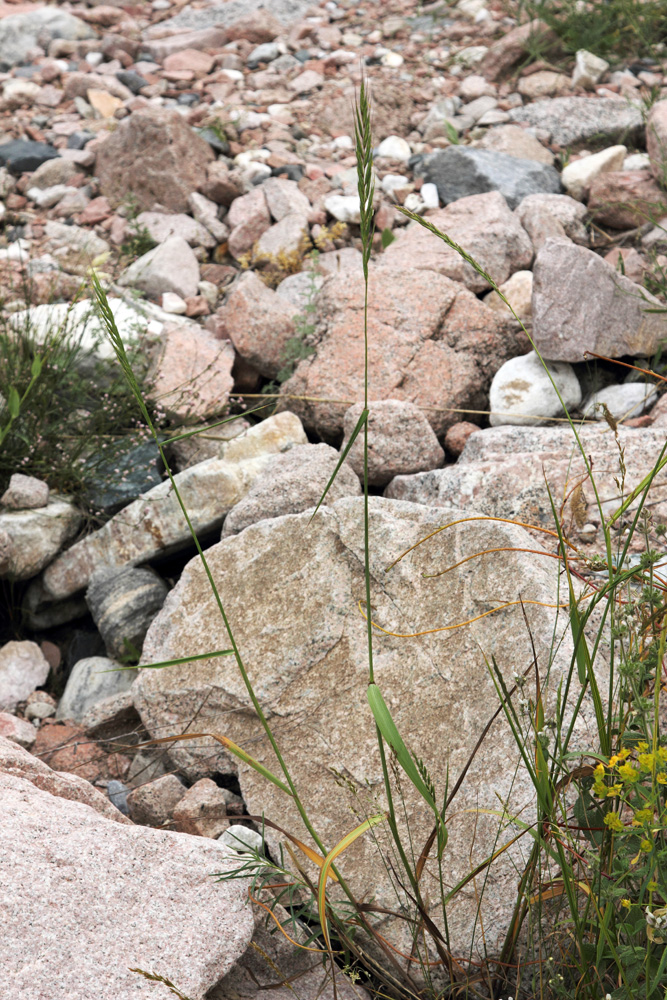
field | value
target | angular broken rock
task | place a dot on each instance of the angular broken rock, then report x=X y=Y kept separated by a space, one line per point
x=483 y=225
x=17 y=762
x=25 y=493
x=580 y=303
x=191 y=373
x=170 y=267
x=259 y=323
x=400 y=440
x=291 y=588
x=153 y=802
x=436 y=345
x=155 y=524
x=95 y=873
x=202 y=811
x=35 y=537
x=501 y=472
x=291 y=483
x=155 y=156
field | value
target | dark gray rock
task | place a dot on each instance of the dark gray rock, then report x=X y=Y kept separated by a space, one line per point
x=139 y=470
x=23 y=155
x=123 y=603
x=460 y=171
x=118 y=793
x=577 y=119
x=79 y=140
x=132 y=80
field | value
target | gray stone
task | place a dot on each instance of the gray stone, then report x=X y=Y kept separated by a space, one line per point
x=289 y=236
x=25 y=493
x=117 y=793
x=161 y=226
x=504 y=472
x=292 y=590
x=22 y=669
x=56 y=171
x=205 y=212
x=21 y=32
x=22 y=155
x=580 y=303
x=291 y=483
x=284 y=197
x=301 y=289
x=571 y=120
x=556 y=215
x=78 y=240
x=91 y=680
x=155 y=524
x=460 y=171
x=286 y=11
x=153 y=803
x=123 y=603
x=400 y=441
x=522 y=392
x=623 y=401
x=121 y=896
x=170 y=267
x=517 y=142
x=240 y=838
x=123 y=474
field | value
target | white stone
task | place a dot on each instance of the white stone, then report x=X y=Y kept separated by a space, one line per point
x=22 y=669
x=344 y=208
x=471 y=8
x=589 y=69
x=173 y=303
x=628 y=400
x=414 y=203
x=19 y=91
x=577 y=176
x=393 y=59
x=91 y=680
x=18 y=250
x=395 y=148
x=518 y=290
x=241 y=838
x=80 y=324
x=394 y=182
x=47 y=197
x=429 y=195
x=637 y=161
x=522 y=393
x=343 y=142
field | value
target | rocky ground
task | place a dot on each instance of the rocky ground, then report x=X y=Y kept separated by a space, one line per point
x=201 y=159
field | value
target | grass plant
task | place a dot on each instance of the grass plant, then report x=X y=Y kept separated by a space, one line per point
x=590 y=918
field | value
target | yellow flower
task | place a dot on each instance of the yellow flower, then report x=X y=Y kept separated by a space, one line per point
x=626 y=903
x=646 y=761
x=613 y=822
x=599 y=771
x=646 y=845
x=628 y=773
x=642 y=816
x=661 y=778
x=613 y=790
x=652 y=886
x=662 y=754
x=642 y=745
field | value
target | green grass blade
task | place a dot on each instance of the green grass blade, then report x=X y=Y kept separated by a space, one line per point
x=360 y=423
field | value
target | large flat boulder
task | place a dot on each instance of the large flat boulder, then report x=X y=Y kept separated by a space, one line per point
x=291 y=589
x=86 y=899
